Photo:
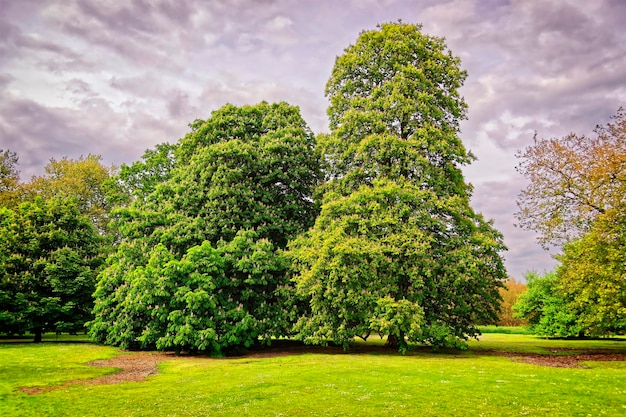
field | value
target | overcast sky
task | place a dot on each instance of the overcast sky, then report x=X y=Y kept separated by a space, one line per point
x=115 y=77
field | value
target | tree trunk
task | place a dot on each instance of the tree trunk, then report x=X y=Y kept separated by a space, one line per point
x=392 y=341
x=37 y=336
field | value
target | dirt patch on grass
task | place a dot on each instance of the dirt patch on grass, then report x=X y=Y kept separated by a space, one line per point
x=133 y=367
x=560 y=358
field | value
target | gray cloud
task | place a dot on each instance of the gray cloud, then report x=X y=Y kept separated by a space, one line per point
x=114 y=78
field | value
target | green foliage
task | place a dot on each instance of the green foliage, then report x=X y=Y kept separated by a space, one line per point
x=84 y=179
x=397 y=248
x=393 y=99
x=49 y=260
x=140 y=179
x=592 y=275
x=199 y=264
x=548 y=311
x=577 y=195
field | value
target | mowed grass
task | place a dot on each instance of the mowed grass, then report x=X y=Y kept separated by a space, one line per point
x=423 y=383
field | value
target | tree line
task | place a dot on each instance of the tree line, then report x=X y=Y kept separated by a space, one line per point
x=251 y=227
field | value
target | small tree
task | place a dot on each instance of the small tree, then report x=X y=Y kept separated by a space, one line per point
x=510 y=294
x=547 y=309
x=49 y=260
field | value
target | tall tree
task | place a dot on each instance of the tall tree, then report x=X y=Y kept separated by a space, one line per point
x=397 y=248
x=577 y=197
x=572 y=180
x=49 y=260
x=198 y=266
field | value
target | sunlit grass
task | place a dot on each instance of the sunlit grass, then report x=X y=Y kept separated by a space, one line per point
x=423 y=383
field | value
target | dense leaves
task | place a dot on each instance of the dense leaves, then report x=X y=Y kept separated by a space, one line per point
x=547 y=309
x=49 y=260
x=396 y=249
x=592 y=275
x=84 y=179
x=198 y=266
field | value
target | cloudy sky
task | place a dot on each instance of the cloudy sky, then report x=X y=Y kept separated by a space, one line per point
x=115 y=77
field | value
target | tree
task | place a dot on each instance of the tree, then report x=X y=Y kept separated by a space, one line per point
x=199 y=264
x=592 y=274
x=510 y=294
x=9 y=179
x=140 y=179
x=49 y=261
x=85 y=179
x=396 y=249
x=572 y=180
x=9 y=175
x=577 y=196
x=547 y=309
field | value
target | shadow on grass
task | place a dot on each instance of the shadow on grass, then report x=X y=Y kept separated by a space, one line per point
x=47 y=338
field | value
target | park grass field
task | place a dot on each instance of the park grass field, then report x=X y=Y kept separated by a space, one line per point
x=489 y=379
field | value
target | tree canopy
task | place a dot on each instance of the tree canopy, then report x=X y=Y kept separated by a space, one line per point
x=49 y=260
x=572 y=180
x=198 y=265
x=396 y=249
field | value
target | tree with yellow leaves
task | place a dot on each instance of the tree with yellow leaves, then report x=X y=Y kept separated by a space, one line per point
x=577 y=196
x=572 y=180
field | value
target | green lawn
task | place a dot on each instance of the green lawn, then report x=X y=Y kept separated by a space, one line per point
x=422 y=383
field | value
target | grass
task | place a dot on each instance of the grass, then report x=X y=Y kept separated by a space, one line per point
x=424 y=383
x=505 y=329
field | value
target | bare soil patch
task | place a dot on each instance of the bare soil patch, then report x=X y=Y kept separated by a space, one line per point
x=574 y=360
x=133 y=367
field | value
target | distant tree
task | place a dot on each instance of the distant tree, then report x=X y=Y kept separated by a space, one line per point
x=84 y=179
x=9 y=179
x=592 y=274
x=9 y=175
x=510 y=295
x=397 y=249
x=49 y=259
x=199 y=266
x=547 y=309
x=577 y=196
x=572 y=180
